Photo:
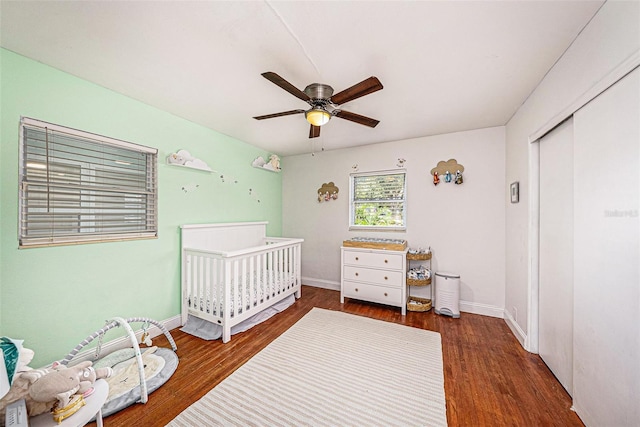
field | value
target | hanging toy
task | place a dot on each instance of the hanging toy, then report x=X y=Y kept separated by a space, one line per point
x=458 y=177
x=145 y=338
x=99 y=346
x=447 y=177
x=436 y=180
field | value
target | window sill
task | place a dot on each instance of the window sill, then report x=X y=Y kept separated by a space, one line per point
x=374 y=228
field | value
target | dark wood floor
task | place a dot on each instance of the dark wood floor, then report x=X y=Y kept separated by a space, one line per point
x=489 y=379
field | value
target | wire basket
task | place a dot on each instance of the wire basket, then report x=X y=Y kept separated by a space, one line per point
x=418 y=304
x=420 y=256
x=418 y=282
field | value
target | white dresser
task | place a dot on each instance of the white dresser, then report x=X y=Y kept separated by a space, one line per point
x=374 y=275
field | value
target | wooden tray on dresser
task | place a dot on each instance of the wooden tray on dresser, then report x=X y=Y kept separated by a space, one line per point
x=383 y=244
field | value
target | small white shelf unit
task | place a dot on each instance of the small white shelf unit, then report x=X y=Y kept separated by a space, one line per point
x=419 y=259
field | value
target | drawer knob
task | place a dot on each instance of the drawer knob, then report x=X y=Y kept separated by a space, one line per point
x=386 y=261
x=385 y=294
x=356 y=274
x=386 y=278
x=357 y=258
x=356 y=289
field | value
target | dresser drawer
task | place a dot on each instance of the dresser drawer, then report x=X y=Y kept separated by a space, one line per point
x=371 y=259
x=373 y=293
x=372 y=275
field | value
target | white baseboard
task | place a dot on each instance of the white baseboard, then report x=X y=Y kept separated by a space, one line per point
x=515 y=329
x=465 y=306
x=124 y=341
x=320 y=283
x=483 y=309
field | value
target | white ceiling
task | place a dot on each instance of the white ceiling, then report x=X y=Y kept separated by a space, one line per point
x=446 y=66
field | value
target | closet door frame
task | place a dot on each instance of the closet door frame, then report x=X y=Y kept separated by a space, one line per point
x=556 y=241
x=531 y=342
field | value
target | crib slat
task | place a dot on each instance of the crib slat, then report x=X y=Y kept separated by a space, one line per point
x=253 y=293
x=217 y=289
x=199 y=281
x=243 y=291
x=277 y=271
x=288 y=268
x=187 y=278
x=234 y=289
x=226 y=310
x=264 y=267
x=206 y=281
x=262 y=264
x=270 y=278
x=211 y=288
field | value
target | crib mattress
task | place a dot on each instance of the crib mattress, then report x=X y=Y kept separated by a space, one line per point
x=271 y=284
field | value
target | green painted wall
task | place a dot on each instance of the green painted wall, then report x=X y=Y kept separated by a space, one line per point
x=54 y=297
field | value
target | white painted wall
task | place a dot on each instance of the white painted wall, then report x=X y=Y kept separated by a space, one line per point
x=610 y=39
x=463 y=224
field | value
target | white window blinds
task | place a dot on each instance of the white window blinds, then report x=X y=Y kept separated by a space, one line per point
x=78 y=187
x=378 y=200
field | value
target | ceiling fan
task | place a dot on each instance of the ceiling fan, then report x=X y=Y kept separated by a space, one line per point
x=324 y=104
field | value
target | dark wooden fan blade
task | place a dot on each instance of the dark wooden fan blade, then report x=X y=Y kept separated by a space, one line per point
x=276 y=79
x=365 y=87
x=314 y=131
x=363 y=120
x=284 y=113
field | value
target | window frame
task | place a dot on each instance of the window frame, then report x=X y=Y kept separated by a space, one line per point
x=352 y=202
x=86 y=190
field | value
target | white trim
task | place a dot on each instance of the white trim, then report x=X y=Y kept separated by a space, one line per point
x=124 y=341
x=624 y=68
x=87 y=229
x=378 y=228
x=380 y=172
x=515 y=328
x=405 y=209
x=88 y=135
x=482 y=309
x=256 y=250
x=531 y=341
x=465 y=306
x=223 y=224
x=321 y=283
x=47 y=242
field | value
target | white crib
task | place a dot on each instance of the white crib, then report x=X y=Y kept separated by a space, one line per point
x=231 y=271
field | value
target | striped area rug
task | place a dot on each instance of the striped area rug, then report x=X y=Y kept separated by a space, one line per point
x=332 y=369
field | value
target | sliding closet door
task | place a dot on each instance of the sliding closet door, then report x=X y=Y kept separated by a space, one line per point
x=607 y=257
x=555 y=323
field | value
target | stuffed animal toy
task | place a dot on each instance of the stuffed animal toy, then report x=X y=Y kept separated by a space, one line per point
x=20 y=386
x=176 y=159
x=458 y=177
x=62 y=382
x=274 y=161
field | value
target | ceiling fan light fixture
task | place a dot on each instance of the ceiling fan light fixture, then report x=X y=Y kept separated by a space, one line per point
x=317 y=116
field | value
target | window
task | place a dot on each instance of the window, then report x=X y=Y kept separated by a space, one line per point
x=78 y=187
x=378 y=201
